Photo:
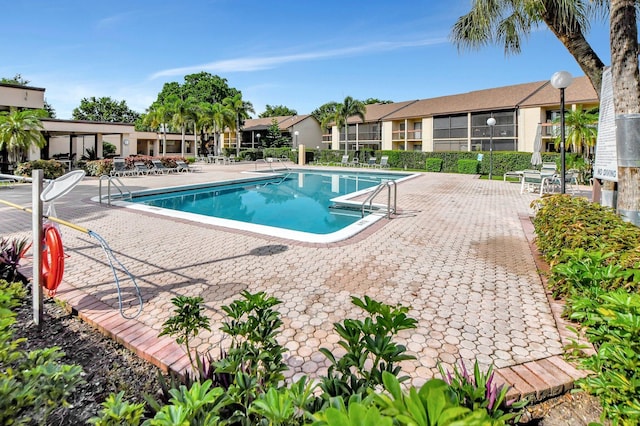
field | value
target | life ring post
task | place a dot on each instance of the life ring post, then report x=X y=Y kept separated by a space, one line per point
x=36 y=288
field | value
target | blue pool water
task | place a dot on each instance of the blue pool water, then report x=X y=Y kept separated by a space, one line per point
x=298 y=201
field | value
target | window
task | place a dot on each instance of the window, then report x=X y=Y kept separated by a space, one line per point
x=504 y=131
x=452 y=126
x=449 y=145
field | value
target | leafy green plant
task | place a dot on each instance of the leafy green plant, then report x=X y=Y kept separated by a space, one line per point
x=479 y=391
x=357 y=414
x=254 y=359
x=198 y=405
x=284 y=406
x=115 y=411
x=32 y=383
x=434 y=404
x=613 y=326
x=584 y=269
x=370 y=349
x=186 y=322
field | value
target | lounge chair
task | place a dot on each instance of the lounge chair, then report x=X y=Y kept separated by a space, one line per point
x=371 y=162
x=355 y=162
x=158 y=167
x=141 y=168
x=120 y=168
x=182 y=166
x=343 y=162
x=384 y=162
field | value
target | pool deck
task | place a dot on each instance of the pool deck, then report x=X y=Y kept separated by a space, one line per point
x=459 y=252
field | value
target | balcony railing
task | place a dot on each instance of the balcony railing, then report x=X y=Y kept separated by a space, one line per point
x=412 y=135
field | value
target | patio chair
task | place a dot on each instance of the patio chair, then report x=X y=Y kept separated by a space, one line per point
x=533 y=181
x=371 y=162
x=120 y=168
x=182 y=166
x=343 y=162
x=354 y=163
x=141 y=168
x=158 y=167
x=384 y=162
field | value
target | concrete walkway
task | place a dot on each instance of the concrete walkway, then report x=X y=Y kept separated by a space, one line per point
x=458 y=253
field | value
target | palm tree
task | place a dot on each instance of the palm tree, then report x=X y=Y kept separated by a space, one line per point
x=582 y=130
x=348 y=108
x=19 y=130
x=507 y=22
x=180 y=113
x=241 y=109
x=196 y=111
x=217 y=117
x=156 y=117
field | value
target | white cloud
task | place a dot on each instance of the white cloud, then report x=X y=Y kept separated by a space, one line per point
x=248 y=64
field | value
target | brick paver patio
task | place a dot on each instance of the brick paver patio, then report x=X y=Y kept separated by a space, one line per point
x=458 y=253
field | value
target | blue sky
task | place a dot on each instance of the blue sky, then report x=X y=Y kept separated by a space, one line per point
x=300 y=54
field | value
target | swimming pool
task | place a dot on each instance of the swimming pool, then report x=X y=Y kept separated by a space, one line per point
x=305 y=205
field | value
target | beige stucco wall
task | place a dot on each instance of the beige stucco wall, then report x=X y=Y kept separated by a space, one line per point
x=427 y=134
x=310 y=134
x=387 y=135
x=21 y=97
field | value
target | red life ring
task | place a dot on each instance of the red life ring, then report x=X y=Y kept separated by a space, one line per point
x=52 y=259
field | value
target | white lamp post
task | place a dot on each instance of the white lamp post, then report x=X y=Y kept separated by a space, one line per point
x=295 y=138
x=561 y=80
x=491 y=122
x=258 y=136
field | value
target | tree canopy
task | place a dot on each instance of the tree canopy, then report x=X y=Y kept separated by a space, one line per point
x=17 y=80
x=277 y=111
x=370 y=101
x=104 y=109
x=201 y=87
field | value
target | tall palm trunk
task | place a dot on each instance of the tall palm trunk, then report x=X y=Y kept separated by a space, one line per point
x=183 y=140
x=626 y=98
x=572 y=37
x=237 y=135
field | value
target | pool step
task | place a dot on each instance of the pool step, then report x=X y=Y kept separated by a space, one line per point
x=344 y=210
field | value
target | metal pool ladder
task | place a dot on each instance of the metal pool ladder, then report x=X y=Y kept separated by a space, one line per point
x=386 y=184
x=117 y=183
x=270 y=161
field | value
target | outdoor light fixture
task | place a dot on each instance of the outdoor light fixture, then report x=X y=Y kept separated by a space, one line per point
x=295 y=136
x=491 y=122
x=257 y=136
x=561 y=80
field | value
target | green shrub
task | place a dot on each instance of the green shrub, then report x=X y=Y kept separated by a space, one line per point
x=563 y=222
x=613 y=326
x=32 y=383
x=433 y=164
x=468 y=166
x=593 y=251
x=52 y=169
x=98 y=167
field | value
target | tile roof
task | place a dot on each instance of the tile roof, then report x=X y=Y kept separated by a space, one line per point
x=284 y=122
x=520 y=95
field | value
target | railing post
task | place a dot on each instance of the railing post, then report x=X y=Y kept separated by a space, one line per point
x=36 y=215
